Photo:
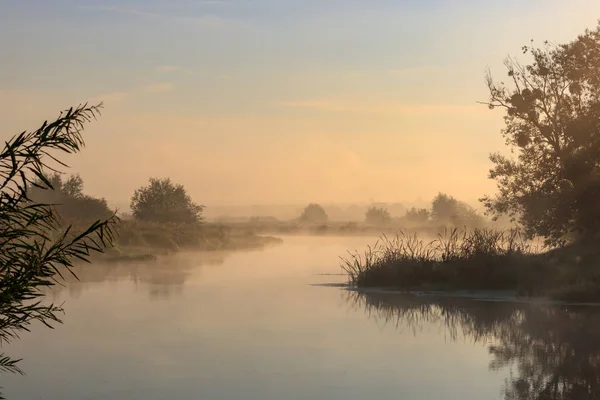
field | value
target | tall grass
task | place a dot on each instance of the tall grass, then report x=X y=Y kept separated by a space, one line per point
x=457 y=259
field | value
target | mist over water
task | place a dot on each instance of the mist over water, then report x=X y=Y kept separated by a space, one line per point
x=267 y=324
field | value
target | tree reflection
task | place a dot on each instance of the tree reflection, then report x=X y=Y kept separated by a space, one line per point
x=552 y=353
x=161 y=278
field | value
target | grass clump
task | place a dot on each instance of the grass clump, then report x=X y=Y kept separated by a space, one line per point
x=479 y=259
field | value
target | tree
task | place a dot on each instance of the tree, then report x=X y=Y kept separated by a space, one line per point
x=551 y=183
x=417 y=215
x=73 y=187
x=377 y=216
x=33 y=245
x=446 y=209
x=69 y=200
x=165 y=201
x=314 y=213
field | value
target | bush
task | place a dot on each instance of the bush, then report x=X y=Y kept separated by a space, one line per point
x=417 y=216
x=377 y=216
x=68 y=199
x=314 y=213
x=446 y=209
x=164 y=201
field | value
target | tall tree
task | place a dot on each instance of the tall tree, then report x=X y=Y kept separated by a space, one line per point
x=551 y=181
x=164 y=201
x=34 y=247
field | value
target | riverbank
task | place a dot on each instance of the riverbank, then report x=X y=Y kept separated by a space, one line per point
x=478 y=260
x=334 y=228
x=145 y=241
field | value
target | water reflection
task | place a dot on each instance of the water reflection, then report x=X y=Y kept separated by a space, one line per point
x=552 y=353
x=161 y=278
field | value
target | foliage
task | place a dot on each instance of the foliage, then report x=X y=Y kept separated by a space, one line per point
x=68 y=198
x=164 y=201
x=446 y=209
x=552 y=119
x=314 y=213
x=33 y=246
x=417 y=215
x=377 y=216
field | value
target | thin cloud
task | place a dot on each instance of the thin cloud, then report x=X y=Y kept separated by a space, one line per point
x=168 y=68
x=111 y=97
x=381 y=107
x=204 y=20
x=122 y=10
x=118 y=96
x=162 y=87
x=207 y=3
x=417 y=69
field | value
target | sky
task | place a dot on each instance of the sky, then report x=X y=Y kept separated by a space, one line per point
x=275 y=101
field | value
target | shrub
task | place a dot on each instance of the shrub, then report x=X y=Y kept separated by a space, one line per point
x=164 y=201
x=377 y=216
x=314 y=213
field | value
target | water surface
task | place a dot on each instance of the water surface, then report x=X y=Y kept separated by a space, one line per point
x=272 y=324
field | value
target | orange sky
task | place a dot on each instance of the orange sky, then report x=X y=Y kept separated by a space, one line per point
x=294 y=103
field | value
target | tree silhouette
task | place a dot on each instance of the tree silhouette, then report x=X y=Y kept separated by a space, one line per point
x=377 y=216
x=552 y=120
x=68 y=199
x=446 y=209
x=314 y=213
x=164 y=201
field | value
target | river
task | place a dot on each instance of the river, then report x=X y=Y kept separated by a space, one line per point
x=275 y=324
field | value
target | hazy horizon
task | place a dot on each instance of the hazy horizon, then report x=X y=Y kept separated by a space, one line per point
x=285 y=102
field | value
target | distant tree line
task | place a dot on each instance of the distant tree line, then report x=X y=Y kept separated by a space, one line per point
x=445 y=210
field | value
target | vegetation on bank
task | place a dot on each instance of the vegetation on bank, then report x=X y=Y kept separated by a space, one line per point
x=164 y=220
x=549 y=185
x=477 y=260
x=145 y=240
x=142 y=240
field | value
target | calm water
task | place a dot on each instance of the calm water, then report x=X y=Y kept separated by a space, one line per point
x=266 y=325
